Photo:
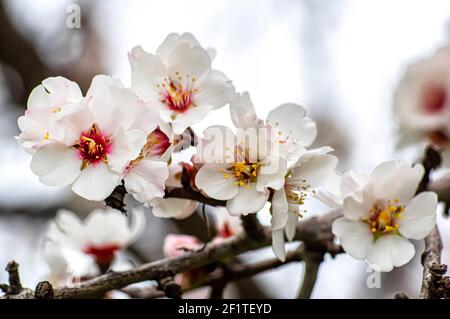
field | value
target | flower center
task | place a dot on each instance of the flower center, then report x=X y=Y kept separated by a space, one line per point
x=434 y=98
x=438 y=138
x=383 y=217
x=243 y=173
x=157 y=143
x=93 y=147
x=175 y=95
x=103 y=254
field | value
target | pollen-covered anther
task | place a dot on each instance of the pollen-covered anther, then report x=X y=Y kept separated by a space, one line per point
x=243 y=173
x=93 y=147
x=384 y=216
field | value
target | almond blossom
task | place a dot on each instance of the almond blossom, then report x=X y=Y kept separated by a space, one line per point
x=384 y=214
x=422 y=102
x=237 y=171
x=312 y=170
x=101 y=235
x=178 y=81
x=97 y=140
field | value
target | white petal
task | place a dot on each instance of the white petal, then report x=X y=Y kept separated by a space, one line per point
x=419 y=216
x=172 y=41
x=355 y=237
x=214 y=89
x=100 y=82
x=291 y=224
x=96 y=182
x=137 y=226
x=316 y=171
x=39 y=99
x=173 y=207
x=279 y=209
x=243 y=112
x=390 y=251
x=272 y=173
x=212 y=180
x=146 y=180
x=56 y=164
x=187 y=60
x=126 y=146
x=147 y=70
x=351 y=182
x=106 y=226
x=247 y=201
x=354 y=209
x=278 y=244
x=289 y=120
x=62 y=90
x=192 y=116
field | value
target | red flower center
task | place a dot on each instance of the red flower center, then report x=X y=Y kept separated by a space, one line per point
x=157 y=143
x=434 y=98
x=176 y=96
x=103 y=254
x=93 y=147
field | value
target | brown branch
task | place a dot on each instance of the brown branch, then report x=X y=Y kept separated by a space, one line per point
x=313 y=260
x=431 y=261
x=315 y=230
x=223 y=276
x=193 y=195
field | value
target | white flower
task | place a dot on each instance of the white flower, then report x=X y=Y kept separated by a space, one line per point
x=178 y=81
x=226 y=225
x=177 y=208
x=381 y=217
x=239 y=172
x=312 y=170
x=101 y=235
x=97 y=141
x=291 y=127
x=44 y=103
x=422 y=102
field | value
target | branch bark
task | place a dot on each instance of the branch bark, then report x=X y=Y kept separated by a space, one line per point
x=431 y=260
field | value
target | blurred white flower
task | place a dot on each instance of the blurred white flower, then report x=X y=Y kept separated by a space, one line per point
x=422 y=102
x=381 y=217
x=178 y=81
x=238 y=171
x=226 y=225
x=98 y=137
x=101 y=235
x=289 y=123
x=312 y=170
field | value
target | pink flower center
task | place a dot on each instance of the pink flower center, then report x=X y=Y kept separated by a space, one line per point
x=157 y=143
x=103 y=254
x=176 y=96
x=93 y=147
x=434 y=98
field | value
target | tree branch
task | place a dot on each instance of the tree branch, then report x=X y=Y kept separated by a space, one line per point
x=315 y=230
x=312 y=264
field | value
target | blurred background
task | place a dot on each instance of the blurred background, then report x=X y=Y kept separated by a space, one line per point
x=341 y=59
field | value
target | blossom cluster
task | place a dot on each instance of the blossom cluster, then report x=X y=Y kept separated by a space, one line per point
x=117 y=135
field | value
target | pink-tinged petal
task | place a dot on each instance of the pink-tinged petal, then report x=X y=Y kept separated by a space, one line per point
x=278 y=244
x=247 y=201
x=146 y=180
x=216 y=182
x=354 y=236
x=176 y=245
x=390 y=251
x=419 y=217
x=96 y=182
x=56 y=164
